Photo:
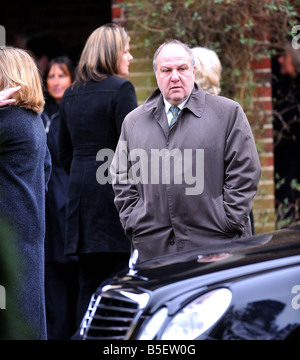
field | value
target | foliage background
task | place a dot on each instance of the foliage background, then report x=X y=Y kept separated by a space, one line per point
x=237 y=30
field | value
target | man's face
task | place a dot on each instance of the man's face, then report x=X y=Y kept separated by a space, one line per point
x=175 y=74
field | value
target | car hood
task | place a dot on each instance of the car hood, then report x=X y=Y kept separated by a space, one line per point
x=248 y=255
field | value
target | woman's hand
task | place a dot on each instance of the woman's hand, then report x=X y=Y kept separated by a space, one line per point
x=6 y=94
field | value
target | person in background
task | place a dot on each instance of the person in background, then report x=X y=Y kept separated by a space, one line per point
x=289 y=61
x=199 y=191
x=92 y=112
x=25 y=168
x=286 y=125
x=208 y=69
x=61 y=285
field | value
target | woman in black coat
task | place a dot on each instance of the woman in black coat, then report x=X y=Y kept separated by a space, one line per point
x=61 y=284
x=92 y=111
x=24 y=173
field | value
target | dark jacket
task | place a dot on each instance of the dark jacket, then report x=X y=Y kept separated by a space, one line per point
x=91 y=120
x=200 y=175
x=56 y=197
x=24 y=173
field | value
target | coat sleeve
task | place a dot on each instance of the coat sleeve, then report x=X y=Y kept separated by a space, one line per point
x=126 y=193
x=242 y=171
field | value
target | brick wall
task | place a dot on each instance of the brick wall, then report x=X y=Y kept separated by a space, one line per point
x=141 y=71
x=260 y=118
x=117 y=12
x=259 y=115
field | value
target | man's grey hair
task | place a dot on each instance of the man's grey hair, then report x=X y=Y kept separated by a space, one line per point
x=168 y=42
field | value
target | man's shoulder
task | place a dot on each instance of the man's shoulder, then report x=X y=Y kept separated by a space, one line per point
x=220 y=100
x=151 y=103
x=224 y=107
x=133 y=116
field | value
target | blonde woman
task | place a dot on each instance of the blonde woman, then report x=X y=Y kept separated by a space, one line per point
x=24 y=172
x=92 y=111
x=208 y=69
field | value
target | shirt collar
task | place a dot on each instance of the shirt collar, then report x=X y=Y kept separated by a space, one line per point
x=168 y=105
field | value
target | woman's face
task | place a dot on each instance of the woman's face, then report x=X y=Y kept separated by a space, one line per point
x=123 y=69
x=58 y=80
x=286 y=64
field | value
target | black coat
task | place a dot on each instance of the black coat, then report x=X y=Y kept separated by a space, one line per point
x=56 y=198
x=91 y=120
x=24 y=173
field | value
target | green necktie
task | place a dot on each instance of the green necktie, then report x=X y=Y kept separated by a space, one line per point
x=174 y=110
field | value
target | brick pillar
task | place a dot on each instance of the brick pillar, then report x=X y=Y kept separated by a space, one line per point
x=260 y=117
x=117 y=13
x=141 y=71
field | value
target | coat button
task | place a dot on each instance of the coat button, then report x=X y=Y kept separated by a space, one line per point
x=172 y=242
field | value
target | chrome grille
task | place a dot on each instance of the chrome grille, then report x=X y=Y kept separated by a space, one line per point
x=112 y=314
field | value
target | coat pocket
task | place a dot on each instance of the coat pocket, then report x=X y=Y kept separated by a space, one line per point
x=133 y=217
x=224 y=223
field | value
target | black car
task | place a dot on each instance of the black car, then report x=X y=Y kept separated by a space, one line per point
x=248 y=290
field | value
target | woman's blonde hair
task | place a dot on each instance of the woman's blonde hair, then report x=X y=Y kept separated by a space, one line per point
x=17 y=68
x=208 y=69
x=102 y=53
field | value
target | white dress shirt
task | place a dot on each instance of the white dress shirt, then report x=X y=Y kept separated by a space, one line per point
x=168 y=112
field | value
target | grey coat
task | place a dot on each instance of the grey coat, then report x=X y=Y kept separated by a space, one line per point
x=199 y=189
x=25 y=167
